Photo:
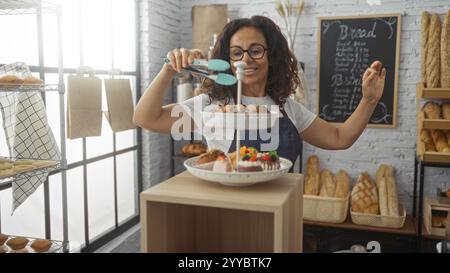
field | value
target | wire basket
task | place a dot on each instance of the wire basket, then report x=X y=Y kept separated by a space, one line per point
x=325 y=209
x=376 y=220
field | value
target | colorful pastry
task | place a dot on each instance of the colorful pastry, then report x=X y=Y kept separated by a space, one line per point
x=269 y=161
x=249 y=160
x=222 y=164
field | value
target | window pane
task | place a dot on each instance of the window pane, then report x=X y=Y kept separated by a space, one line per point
x=19 y=39
x=28 y=219
x=126 y=185
x=71 y=35
x=56 y=221
x=100 y=182
x=75 y=204
x=96 y=21
x=123 y=36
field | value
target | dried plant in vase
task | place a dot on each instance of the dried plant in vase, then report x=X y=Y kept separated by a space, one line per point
x=290 y=12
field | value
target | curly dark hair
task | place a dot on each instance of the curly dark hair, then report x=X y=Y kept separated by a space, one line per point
x=283 y=70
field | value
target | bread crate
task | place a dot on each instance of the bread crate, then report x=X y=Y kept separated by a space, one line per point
x=377 y=220
x=325 y=209
x=434 y=209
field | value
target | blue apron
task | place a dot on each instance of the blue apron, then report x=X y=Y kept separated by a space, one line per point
x=290 y=145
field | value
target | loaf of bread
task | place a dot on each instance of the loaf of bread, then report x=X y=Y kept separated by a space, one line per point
x=312 y=182
x=384 y=171
x=445 y=52
x=440 y=141
x=426 y=138
x=32 y=80
x=327 y=184
x=392 y=193
x=432 y=110
x=342 y=184
x=364 y=197
x=194 y=149
x=383 y=196
x=445 y=110
x=433 y=61
x=425 y=30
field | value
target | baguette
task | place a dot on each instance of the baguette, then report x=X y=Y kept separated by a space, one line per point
x=383 y=196
x=392 y=197
x=342 y=184
x=312 y=182
x=440 y=141
x=425 y=29
x=432 y=110
x=328 y=184
x=445 y=52
x=384 y=171
x=433 y=59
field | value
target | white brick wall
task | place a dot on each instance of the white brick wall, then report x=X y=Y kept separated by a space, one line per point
x=391 y=146
x=159 y=33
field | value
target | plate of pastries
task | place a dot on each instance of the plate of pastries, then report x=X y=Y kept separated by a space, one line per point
x=253 y=166
x=18 y=244
x=239 y=116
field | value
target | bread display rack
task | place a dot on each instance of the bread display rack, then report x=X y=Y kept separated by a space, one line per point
x=427 y=158
x=38 y=8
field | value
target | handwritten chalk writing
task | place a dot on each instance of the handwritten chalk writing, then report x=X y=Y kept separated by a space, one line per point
x=357 y=33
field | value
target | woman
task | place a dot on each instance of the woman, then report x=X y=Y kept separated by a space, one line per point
x=270 y=78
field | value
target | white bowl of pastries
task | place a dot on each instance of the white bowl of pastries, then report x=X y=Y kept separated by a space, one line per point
x=253 y=167
x=250 y=117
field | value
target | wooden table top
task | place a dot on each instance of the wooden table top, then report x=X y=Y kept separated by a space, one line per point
x=190 y=190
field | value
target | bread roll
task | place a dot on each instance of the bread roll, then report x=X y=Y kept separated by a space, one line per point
x=364 y=197
x=426 y=138
x=342 y=184
x=425 y=29
x=445 y=52
x=440 y=141
x=433 y=56
x=10 y=79
x=312 y=182
x=445 y=110
x=328 y=184
x=392 y=193
x=432 y=110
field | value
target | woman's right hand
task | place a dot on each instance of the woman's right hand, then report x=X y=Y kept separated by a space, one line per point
x=181 y=58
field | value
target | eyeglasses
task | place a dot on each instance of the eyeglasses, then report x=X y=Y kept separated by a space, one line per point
x=255 y=52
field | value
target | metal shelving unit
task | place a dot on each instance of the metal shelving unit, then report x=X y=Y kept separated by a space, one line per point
x=38 y=8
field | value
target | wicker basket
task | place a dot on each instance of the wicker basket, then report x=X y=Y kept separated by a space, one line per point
x=325 y=209
x=376 y=220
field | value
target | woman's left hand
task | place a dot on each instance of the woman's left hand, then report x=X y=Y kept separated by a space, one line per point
x=373 y=82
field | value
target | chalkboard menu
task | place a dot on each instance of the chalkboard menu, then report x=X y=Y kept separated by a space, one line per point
x=347 y=47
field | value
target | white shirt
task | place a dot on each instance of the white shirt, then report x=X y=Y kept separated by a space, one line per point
x=297 y=113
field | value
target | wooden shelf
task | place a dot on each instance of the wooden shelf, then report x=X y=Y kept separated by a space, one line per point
x=440 y=124
x=408 y=228
x=432 y=93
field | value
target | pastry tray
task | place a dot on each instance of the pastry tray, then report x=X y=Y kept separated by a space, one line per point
x=57 y=247
x=236 y=178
